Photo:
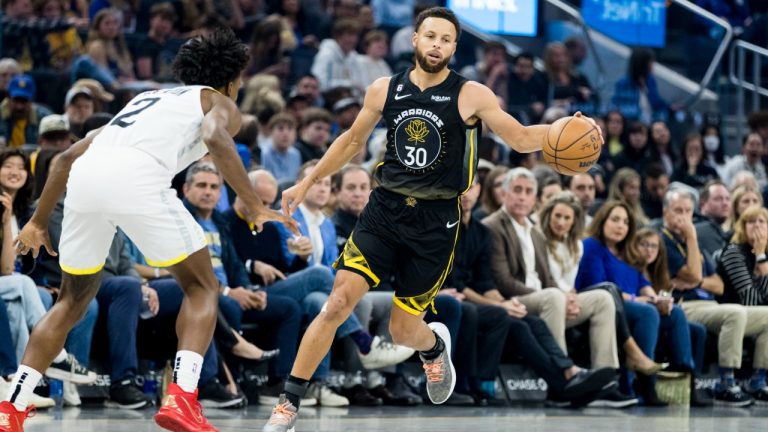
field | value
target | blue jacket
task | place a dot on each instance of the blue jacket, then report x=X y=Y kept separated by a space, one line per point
x=237 y=276
x=327 y=230
x=626 y=98
x=599 y=265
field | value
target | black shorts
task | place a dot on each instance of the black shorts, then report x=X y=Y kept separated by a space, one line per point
x=409 y=238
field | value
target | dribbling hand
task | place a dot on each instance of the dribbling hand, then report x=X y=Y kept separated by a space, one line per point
x=592 y=122
x=31 y=238
x=267 y=215
x=292 y=197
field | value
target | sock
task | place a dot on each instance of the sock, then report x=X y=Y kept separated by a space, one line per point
x=22 y=386
x=363 y=341
x=727 y=378
x=61 y=356
x=186 y=370
x=435 y=351
x=759 y=381
x=295 y=388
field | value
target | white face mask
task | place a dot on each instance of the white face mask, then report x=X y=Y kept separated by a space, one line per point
x=711 y=143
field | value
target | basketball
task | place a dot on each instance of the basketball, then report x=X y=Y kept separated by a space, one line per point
x=572 y=145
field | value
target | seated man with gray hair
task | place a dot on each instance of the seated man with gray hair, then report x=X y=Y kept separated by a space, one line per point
x=695 y=282
x=521 y=271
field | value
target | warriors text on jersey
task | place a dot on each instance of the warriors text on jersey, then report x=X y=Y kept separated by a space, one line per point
x=431 y=153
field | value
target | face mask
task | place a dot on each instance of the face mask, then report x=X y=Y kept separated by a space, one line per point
x=711 y=143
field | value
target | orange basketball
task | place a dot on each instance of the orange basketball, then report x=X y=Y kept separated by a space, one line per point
x=572 y=145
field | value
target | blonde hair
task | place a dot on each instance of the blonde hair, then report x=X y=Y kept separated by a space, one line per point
x=751 y=214
x=574 y=236
x=738 y=194
x=116 y=49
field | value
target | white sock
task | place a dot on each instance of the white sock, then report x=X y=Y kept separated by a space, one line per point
x=22 y=387
x=61 y=356
x=186 y=370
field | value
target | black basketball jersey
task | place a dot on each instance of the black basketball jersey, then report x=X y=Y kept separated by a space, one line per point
x=431 y=153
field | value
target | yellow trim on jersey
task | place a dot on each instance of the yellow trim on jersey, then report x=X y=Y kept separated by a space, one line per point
x=399 y=303
x=471 y=159
x=82 y=272
x=168 y=263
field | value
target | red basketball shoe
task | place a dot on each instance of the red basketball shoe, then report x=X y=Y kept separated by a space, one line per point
x=11 y=419
x=181 y=412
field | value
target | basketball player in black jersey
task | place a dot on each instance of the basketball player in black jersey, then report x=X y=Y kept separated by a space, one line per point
x=410 y=225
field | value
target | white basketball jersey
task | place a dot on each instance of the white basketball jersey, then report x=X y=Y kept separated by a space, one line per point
x=164 y=124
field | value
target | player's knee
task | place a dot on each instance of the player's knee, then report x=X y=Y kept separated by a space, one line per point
x=337 y=308
x=402 y=333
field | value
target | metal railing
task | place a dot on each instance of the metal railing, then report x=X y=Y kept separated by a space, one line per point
x=738 y=77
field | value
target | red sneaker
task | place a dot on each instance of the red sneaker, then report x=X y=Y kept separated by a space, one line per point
x=11 y=419
x=181 y=412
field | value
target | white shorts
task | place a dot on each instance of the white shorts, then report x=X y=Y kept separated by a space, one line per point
x=164 y=232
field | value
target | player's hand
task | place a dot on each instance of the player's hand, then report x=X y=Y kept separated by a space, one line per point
x=592 y=122
x=293 y=196
x=266 y=215
x=31 y=238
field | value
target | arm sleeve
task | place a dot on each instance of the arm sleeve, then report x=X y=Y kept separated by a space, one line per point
x=592 y=266
x=738 y=277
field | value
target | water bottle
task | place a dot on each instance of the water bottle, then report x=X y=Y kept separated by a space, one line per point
x=150 y=382
x=56 y=392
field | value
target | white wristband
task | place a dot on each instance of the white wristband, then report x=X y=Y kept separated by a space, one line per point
x=761 y=258
x=226 y=291
x=249 y=266
x=157 y=272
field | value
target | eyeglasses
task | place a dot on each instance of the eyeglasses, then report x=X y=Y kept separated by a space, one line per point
x=646 y=245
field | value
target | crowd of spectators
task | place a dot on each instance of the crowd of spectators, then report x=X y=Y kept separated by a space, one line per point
x=631 y=266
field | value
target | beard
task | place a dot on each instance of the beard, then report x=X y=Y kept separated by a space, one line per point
x=424 y=64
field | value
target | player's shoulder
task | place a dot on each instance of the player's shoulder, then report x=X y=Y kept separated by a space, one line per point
x=475 y=88
x=376 y=95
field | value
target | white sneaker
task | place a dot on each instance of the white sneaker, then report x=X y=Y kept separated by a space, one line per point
x=325 y=396
x=34 y=399
x=70 y=396
x=384 y=353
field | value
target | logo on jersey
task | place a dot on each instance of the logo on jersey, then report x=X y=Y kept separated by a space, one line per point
x=418 y=139
x=441 y=98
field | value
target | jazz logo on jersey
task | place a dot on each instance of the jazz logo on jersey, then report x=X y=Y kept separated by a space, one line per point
x=417 y=131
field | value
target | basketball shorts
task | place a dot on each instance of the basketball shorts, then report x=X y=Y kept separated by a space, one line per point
x=162 y=228
x=406 y=237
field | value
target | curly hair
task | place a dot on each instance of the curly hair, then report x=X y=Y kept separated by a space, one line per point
x=213 y=61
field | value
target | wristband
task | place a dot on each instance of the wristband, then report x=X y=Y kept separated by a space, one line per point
x=157 y=272
x=249 y=266
x=762 y=258
x=226 y=291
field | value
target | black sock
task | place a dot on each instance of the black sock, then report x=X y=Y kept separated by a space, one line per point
x=436 y=350
x=295 y=389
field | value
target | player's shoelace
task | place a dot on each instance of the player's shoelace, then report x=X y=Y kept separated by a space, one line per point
x=281 y=415
x=434 y=370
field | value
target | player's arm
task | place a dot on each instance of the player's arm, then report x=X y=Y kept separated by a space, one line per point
x=477 y=100
x=345 y=147
x=220 y=123
x=57 y=179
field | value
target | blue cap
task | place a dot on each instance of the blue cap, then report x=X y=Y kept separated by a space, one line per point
x=22 y=86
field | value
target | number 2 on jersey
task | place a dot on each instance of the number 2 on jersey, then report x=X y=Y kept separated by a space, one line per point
x=121 y=120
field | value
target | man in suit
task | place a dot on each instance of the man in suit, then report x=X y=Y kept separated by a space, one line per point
x=521 y=271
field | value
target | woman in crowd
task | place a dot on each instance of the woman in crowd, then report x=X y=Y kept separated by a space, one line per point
x=685 y=348
x=565 y=87
x=743 y=263
x=662 y=147
x=742 y=198
x=272 y=39
x=562 y=224
x=625 y=187
x=637 y=94
x=694 y=168
x=106 y=44
x=638 y=153
x=610 y=255
x=492 y=194
x=713 y=145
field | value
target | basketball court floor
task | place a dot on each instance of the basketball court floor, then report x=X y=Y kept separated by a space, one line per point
x=428 y=419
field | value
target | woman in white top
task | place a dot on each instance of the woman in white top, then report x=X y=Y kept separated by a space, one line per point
x=562 y=222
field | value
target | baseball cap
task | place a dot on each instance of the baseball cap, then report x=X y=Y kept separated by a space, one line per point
x=53 y=123
x=76 y=91
x=97 y=90
x=22 y=86
x=345 y=103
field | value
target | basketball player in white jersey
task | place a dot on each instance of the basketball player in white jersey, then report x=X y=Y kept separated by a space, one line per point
x=121 y=177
